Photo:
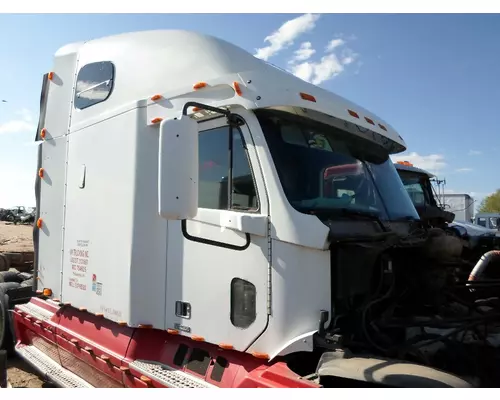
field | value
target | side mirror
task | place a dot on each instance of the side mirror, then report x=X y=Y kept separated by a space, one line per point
x=178 y=169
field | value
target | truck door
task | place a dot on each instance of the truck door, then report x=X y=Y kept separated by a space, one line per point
x=218 y=263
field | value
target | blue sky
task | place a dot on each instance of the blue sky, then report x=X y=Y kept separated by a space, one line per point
x=433 y=77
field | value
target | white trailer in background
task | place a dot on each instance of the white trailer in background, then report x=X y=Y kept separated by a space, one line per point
x=460 y=204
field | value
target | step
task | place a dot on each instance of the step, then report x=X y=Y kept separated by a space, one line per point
x=167 y=376
x=35 y=311
x=50 y=369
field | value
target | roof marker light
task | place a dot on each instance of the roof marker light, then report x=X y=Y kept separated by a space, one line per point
x=39 y=223
x=43 y=133
x=40 y=172
x=47 y=292
x=226 y=346
x=50 y=76
x=308 y=97
x=370 y=121
x=156 y=97
x=199 y=85
x=156 y=120
x=382 y=127
x=353 y=113
x=198 y=338
x=237 y=88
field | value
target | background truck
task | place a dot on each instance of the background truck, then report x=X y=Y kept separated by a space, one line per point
x=418 y=184
x=260 y=234
x=477 y=240
x=488 y=220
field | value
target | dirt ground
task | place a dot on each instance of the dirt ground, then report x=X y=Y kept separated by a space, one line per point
x=14 y=238
x=21 y=375
x=18 y=238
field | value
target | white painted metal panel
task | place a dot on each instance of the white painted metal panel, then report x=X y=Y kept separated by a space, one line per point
x=301 y=288
x=52 y=214
x=201 y=273
x=98 y=240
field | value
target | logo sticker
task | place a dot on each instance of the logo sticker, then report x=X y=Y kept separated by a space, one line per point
x=96 y=286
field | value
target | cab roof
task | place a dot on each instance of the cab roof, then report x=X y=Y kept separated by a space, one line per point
x=170 y=62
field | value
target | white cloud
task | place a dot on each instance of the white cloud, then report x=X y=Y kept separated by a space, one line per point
x=433 y=163
x=304 y=71
x=463 y=170
x=22 y=125
x=348 y=56
x=25 y=114
x=333 y=44
x=92 y=90
x=286 y=35
x=326 y=69
x=317 y=72
x=330 y=65
x=16 y=126
x=475 y=153
x=304 y=52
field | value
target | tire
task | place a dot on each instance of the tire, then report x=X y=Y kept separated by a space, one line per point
x=4 y=262
x=27 y=282
x=10 y=276
x=6 y=286
x=6 y=338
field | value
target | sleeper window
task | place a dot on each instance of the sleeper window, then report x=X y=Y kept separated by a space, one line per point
x=94 y=84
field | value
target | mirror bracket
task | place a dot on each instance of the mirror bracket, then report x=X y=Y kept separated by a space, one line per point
x=232 y=119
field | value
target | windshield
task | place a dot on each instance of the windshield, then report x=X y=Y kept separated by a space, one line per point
x=324 y=168
x=418 y=187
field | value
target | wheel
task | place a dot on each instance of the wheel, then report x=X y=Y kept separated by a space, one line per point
x=27 y=282
x=4 y=262
x=10 y=276
x=6 y=338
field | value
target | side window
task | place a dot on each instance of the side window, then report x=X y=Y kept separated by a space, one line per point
x=481 y=221
x=493 y=223
x=94 y=84
x=416 y=193
x=214 y=172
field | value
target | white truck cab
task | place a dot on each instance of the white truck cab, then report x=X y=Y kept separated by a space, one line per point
x=189 y=188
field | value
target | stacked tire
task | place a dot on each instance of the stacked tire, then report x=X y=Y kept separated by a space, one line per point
x=9 y=280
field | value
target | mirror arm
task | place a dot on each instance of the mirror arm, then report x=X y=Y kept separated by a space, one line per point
x=232 y=119
x=204 y=107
